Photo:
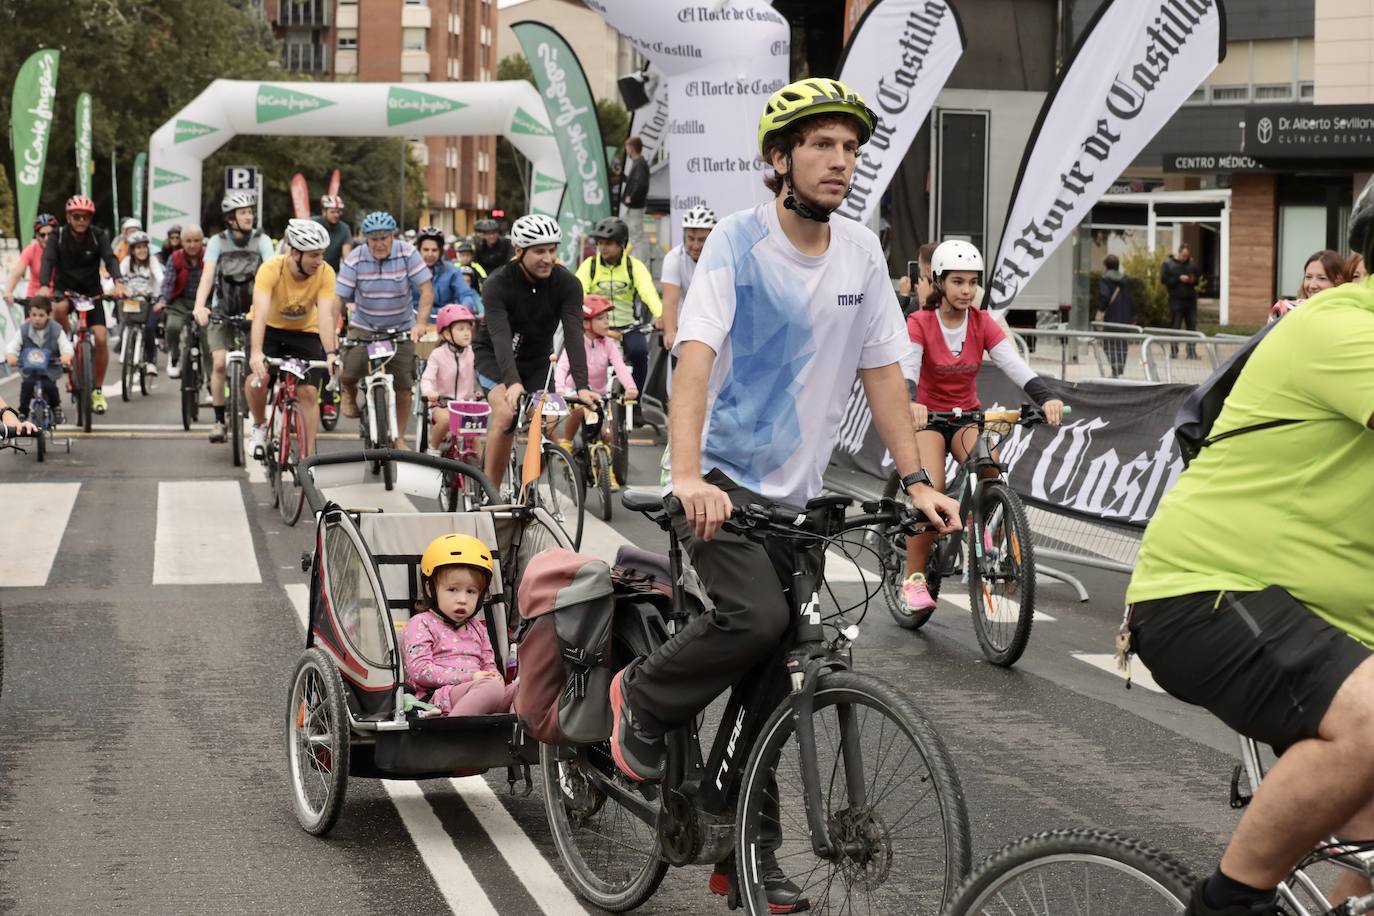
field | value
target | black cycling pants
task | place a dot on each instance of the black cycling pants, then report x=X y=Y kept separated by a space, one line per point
x=636 y=346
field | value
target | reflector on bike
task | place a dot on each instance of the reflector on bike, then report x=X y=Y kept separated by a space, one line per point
x=296 y=367
x=381 y=349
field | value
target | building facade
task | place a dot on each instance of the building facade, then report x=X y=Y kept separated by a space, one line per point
x=406 y=41
x=605 y=56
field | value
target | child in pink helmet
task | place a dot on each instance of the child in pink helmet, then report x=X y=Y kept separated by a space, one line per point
x=449 y=372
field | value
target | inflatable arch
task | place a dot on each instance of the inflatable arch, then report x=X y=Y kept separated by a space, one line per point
x=227 y=108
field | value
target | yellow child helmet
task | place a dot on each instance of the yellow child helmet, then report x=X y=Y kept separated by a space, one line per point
x=457 y=550
x=813 y=96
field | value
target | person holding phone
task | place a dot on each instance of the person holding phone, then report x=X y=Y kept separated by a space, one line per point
x=915 y=287
x=1179 y=276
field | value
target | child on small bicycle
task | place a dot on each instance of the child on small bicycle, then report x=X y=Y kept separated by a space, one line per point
x=449 y=660
x=949 y=335
x=603 y=354
x=40 y=350
x=449 y=371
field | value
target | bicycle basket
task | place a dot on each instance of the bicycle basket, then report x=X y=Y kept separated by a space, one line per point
x=468 y=417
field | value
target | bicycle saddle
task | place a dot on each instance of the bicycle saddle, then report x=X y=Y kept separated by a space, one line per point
x=642 y=500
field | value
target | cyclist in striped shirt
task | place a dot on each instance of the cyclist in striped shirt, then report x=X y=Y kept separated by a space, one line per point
x=376 y=280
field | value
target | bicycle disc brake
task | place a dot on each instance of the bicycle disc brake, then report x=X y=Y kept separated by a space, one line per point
x=866 y=846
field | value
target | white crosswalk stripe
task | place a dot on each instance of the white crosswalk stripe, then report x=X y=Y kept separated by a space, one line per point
x=1105 y=661
x=453 y=877
x=202 y=536
x=36 y=516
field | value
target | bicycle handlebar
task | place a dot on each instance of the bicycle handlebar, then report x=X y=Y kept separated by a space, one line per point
x=399 y=334
x=750 y=518
x=1027 y=415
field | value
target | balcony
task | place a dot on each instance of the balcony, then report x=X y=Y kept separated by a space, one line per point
x=314 y=13
x=305 y=58
x=414 y=16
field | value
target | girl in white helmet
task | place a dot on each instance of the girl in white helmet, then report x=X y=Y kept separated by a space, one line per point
x=949 y=336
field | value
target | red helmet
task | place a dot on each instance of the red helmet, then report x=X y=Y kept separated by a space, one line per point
x=1281 y=308
x=80 y=204
x=452 y=313
x=593 y=306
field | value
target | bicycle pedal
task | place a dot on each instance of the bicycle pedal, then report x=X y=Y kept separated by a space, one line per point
x=1238 y=799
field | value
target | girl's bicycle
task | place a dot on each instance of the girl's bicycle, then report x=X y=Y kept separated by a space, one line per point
x=286 y=436
x=133 y=311
x=467 y=425
x=995 y=549
x=819 y=776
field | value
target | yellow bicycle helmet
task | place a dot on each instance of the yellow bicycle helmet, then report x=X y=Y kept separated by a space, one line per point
x=457 y=550
x=813 y=96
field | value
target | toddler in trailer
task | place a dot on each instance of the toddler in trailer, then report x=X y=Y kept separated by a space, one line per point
x=449 y=660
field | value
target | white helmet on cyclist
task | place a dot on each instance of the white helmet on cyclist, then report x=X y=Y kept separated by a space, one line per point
x=956 y=254
x=306 y=235
x=699 y=217
x=130 y=222
x=535 y=229
x=237 y=200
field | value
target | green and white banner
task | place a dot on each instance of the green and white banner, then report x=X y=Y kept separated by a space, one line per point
x=228 y=108
x=31 y=108
x=136 y=183
x=84 y=163
x=571 y=110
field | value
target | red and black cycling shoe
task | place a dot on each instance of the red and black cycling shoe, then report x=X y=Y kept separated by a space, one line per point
x=783 y=895
x=637 y=754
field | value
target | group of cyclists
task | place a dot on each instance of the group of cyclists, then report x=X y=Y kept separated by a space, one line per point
x=1247 y=594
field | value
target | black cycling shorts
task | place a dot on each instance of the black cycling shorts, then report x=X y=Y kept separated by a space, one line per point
x=281 y=344
x=1261 y=662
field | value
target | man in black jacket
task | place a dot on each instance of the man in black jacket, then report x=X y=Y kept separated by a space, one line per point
x=635 y=194
x=1179 y=276
x=493 y=250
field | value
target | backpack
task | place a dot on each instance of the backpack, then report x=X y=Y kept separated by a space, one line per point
x=566 y=603
x=1193 y=422
x=234 y=273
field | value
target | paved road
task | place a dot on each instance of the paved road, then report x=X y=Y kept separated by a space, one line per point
x=148 y=644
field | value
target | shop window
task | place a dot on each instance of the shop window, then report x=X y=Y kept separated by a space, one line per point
x=1302 y=230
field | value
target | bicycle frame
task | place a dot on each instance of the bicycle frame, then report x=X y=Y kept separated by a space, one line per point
x=966 y=486
x=376 y=377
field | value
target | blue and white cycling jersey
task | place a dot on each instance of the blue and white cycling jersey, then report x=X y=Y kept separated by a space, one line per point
x=790 y=332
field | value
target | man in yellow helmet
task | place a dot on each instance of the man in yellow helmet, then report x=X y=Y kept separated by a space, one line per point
x=785 y=308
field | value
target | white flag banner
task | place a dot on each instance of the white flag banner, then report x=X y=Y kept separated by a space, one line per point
x=651 y=123
x=900 y=55
x=1137 y=62
x=723 y=60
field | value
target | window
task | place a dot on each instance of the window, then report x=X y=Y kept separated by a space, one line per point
x=1306 y=91
x=1199 y=97
x=414 y=39
x=354 y=597
x=348 y=42
x=961 y=204
x=1274 y=92
x=1228 y=94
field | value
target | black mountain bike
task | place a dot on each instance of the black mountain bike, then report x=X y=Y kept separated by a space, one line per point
x=192 y=372
x=996 y=543
x=235 y=371
x=840 y=763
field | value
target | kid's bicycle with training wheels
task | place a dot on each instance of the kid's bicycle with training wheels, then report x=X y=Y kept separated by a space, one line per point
x=821 y=779
x=42 y=414
x=995 y=547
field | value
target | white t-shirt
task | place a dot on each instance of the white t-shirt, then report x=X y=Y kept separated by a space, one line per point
x=678 y=268
x=790 y=331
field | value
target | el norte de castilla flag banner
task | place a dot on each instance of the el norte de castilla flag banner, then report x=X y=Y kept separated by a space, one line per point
x=899 y=57
x=1136 y=63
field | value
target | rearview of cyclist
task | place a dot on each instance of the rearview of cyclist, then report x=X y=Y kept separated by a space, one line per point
x=786 y=307
x=1250 y=597
x=527 y=301
x=949 y=335
x=73 y=255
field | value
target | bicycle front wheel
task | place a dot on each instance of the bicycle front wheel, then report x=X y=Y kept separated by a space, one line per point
x=1075 y=871
x=892 y=558
x=190 y=388
x=87 y=410
x=601 y=472
x=385 y=434
x=559 y=490
x=129 y=359
x=1001 y=582
x=236 y=412
x=290 y=493
x=620 y=446
x=891 y=799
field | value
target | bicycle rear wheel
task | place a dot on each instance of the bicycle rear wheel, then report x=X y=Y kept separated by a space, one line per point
x=290 y=493
x=1001 y=581
x=190 y=385
x=905 y=840
x=610 y=855
x=236 y=411
x=559 y=490
x=1075 y=871
x=86 y=410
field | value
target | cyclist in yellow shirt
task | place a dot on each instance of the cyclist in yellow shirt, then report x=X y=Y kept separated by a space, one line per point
x=622 y=278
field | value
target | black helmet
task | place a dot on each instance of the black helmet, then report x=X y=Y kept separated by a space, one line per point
x=1362 y=224
x=486 y=225
x=466 y=245
x=612 y=228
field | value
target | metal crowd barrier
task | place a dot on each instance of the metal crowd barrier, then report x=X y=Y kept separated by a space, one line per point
x=1156 y=356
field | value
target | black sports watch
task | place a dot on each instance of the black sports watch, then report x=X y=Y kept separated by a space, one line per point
x=916 y=477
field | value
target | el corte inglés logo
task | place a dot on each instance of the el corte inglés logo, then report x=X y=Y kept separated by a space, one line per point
x=276 y=102
x=190 y=130
x=406 y=105
x=163 y=177
x=524 y=123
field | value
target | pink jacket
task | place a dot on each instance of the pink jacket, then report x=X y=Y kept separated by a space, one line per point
x=602 y=354
x=449 y=374
x=437 y=653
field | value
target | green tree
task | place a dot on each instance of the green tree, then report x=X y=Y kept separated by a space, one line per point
x=615 y=122
x=8 y=224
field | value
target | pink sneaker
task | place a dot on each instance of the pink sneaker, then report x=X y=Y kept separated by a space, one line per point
x=916 y=594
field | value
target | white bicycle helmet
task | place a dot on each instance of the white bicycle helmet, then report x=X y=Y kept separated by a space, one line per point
x=237 y=200
x=535 y=229
x=699 y=217
x=306 y=235
x=130 y=223
x=955 y=254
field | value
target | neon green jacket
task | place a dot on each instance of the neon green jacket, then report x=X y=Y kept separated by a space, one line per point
x=617 y=285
